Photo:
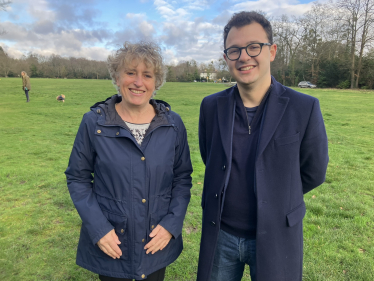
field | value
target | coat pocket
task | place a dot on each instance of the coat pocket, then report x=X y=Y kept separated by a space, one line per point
x=119 y=223
x=157 y=216
x=287 y=140
x=296 y=215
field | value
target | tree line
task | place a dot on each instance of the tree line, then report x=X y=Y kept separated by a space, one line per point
x=53 y=66
x=330 y=46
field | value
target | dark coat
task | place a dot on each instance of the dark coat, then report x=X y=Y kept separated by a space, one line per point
x=292 y=158
x=134 y=188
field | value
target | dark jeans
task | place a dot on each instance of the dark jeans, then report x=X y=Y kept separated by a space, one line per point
x=158 y=275
x=231 y=255
x=27 y=95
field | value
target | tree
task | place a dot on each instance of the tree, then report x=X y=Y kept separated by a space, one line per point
x=290 y=33
x=316 y=24
x=222 y=70
x=367 y=35
x=5 y=62
x=3 y=5
x=352 y=15
x=368 y=67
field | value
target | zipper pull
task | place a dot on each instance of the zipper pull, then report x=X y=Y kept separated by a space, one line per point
x=249 y=129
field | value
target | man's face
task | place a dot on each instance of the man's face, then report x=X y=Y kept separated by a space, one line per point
x=250 y=71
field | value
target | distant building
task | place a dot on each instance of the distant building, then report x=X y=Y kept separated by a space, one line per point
x=208 y=75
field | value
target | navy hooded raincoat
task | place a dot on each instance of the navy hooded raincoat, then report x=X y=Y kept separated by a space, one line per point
x=115 y=183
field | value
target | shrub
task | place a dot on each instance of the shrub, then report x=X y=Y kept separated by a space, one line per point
x=344 y=84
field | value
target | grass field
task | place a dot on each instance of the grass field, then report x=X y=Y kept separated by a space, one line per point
x=39 y=227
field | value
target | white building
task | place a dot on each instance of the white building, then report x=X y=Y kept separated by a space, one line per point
x=207 y=75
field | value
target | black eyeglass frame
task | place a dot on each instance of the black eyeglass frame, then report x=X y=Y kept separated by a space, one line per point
x=246 y=49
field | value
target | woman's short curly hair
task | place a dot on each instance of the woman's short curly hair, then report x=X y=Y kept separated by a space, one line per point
x=147 y=52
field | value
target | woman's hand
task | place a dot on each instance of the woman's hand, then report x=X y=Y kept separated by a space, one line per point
x=109 y=245
x=160 y=238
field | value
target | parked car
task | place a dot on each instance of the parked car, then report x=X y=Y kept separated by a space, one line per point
x=306 y=84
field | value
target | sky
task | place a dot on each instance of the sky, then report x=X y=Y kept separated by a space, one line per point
x=93 y=29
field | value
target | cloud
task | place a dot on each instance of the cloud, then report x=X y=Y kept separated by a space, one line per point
x=137 y=29
x=63 y=42
x=93 y=53
x=186 y=29
x=57 y=27
x=44 y=27
x=273 y=8
x=198 y=39
x=170 y=12
x=222 y=18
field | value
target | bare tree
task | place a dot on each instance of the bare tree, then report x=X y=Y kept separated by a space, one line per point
x=316 y=24
x=222 y=70
x=352 y=11
x=5 y=62
x=3 y=5
x=367 y=35
x=290 y=33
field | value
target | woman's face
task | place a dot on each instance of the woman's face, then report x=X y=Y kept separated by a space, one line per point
x=137 y=84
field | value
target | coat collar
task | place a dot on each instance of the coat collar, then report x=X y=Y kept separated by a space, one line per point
x=112 y=118
x=276 y=106
x=226 y=104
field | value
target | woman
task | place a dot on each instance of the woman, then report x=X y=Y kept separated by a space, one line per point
x=26 y=86
x=129 y=173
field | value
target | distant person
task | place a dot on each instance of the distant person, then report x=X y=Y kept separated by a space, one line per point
x=26 y=86
x=264 y=146
x=129 y=173
x=60 y=98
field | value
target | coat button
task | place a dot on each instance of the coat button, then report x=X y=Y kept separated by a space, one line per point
x=143 y=158
x=99 y=131
x=152 y=226
x=143 y=200
x=122 y=231
x=167 y=109
x=216 y=196
x=213 y=223
x=143 y=276
x=223 y=167
x=98 y=111
x=117 y=133
x=143 y=240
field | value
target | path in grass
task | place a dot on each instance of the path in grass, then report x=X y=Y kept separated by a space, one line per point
x=39 y=227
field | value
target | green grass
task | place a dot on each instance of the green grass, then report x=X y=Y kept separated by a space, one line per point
x=39 y=226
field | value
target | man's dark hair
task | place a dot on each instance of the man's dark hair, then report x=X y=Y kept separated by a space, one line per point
x=244 y=18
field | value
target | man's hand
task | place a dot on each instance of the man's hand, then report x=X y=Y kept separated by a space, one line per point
x=161 y=238
x=109 y=245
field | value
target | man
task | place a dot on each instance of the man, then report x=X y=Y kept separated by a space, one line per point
x=264 y=146
x=26 y=84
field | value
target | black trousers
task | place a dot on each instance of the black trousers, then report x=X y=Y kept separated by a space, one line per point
x=27 y=95
x=158 y=275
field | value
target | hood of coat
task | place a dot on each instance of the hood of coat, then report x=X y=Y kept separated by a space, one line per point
x=162 y=110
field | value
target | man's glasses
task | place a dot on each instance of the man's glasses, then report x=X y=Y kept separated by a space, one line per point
x=253 y=50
